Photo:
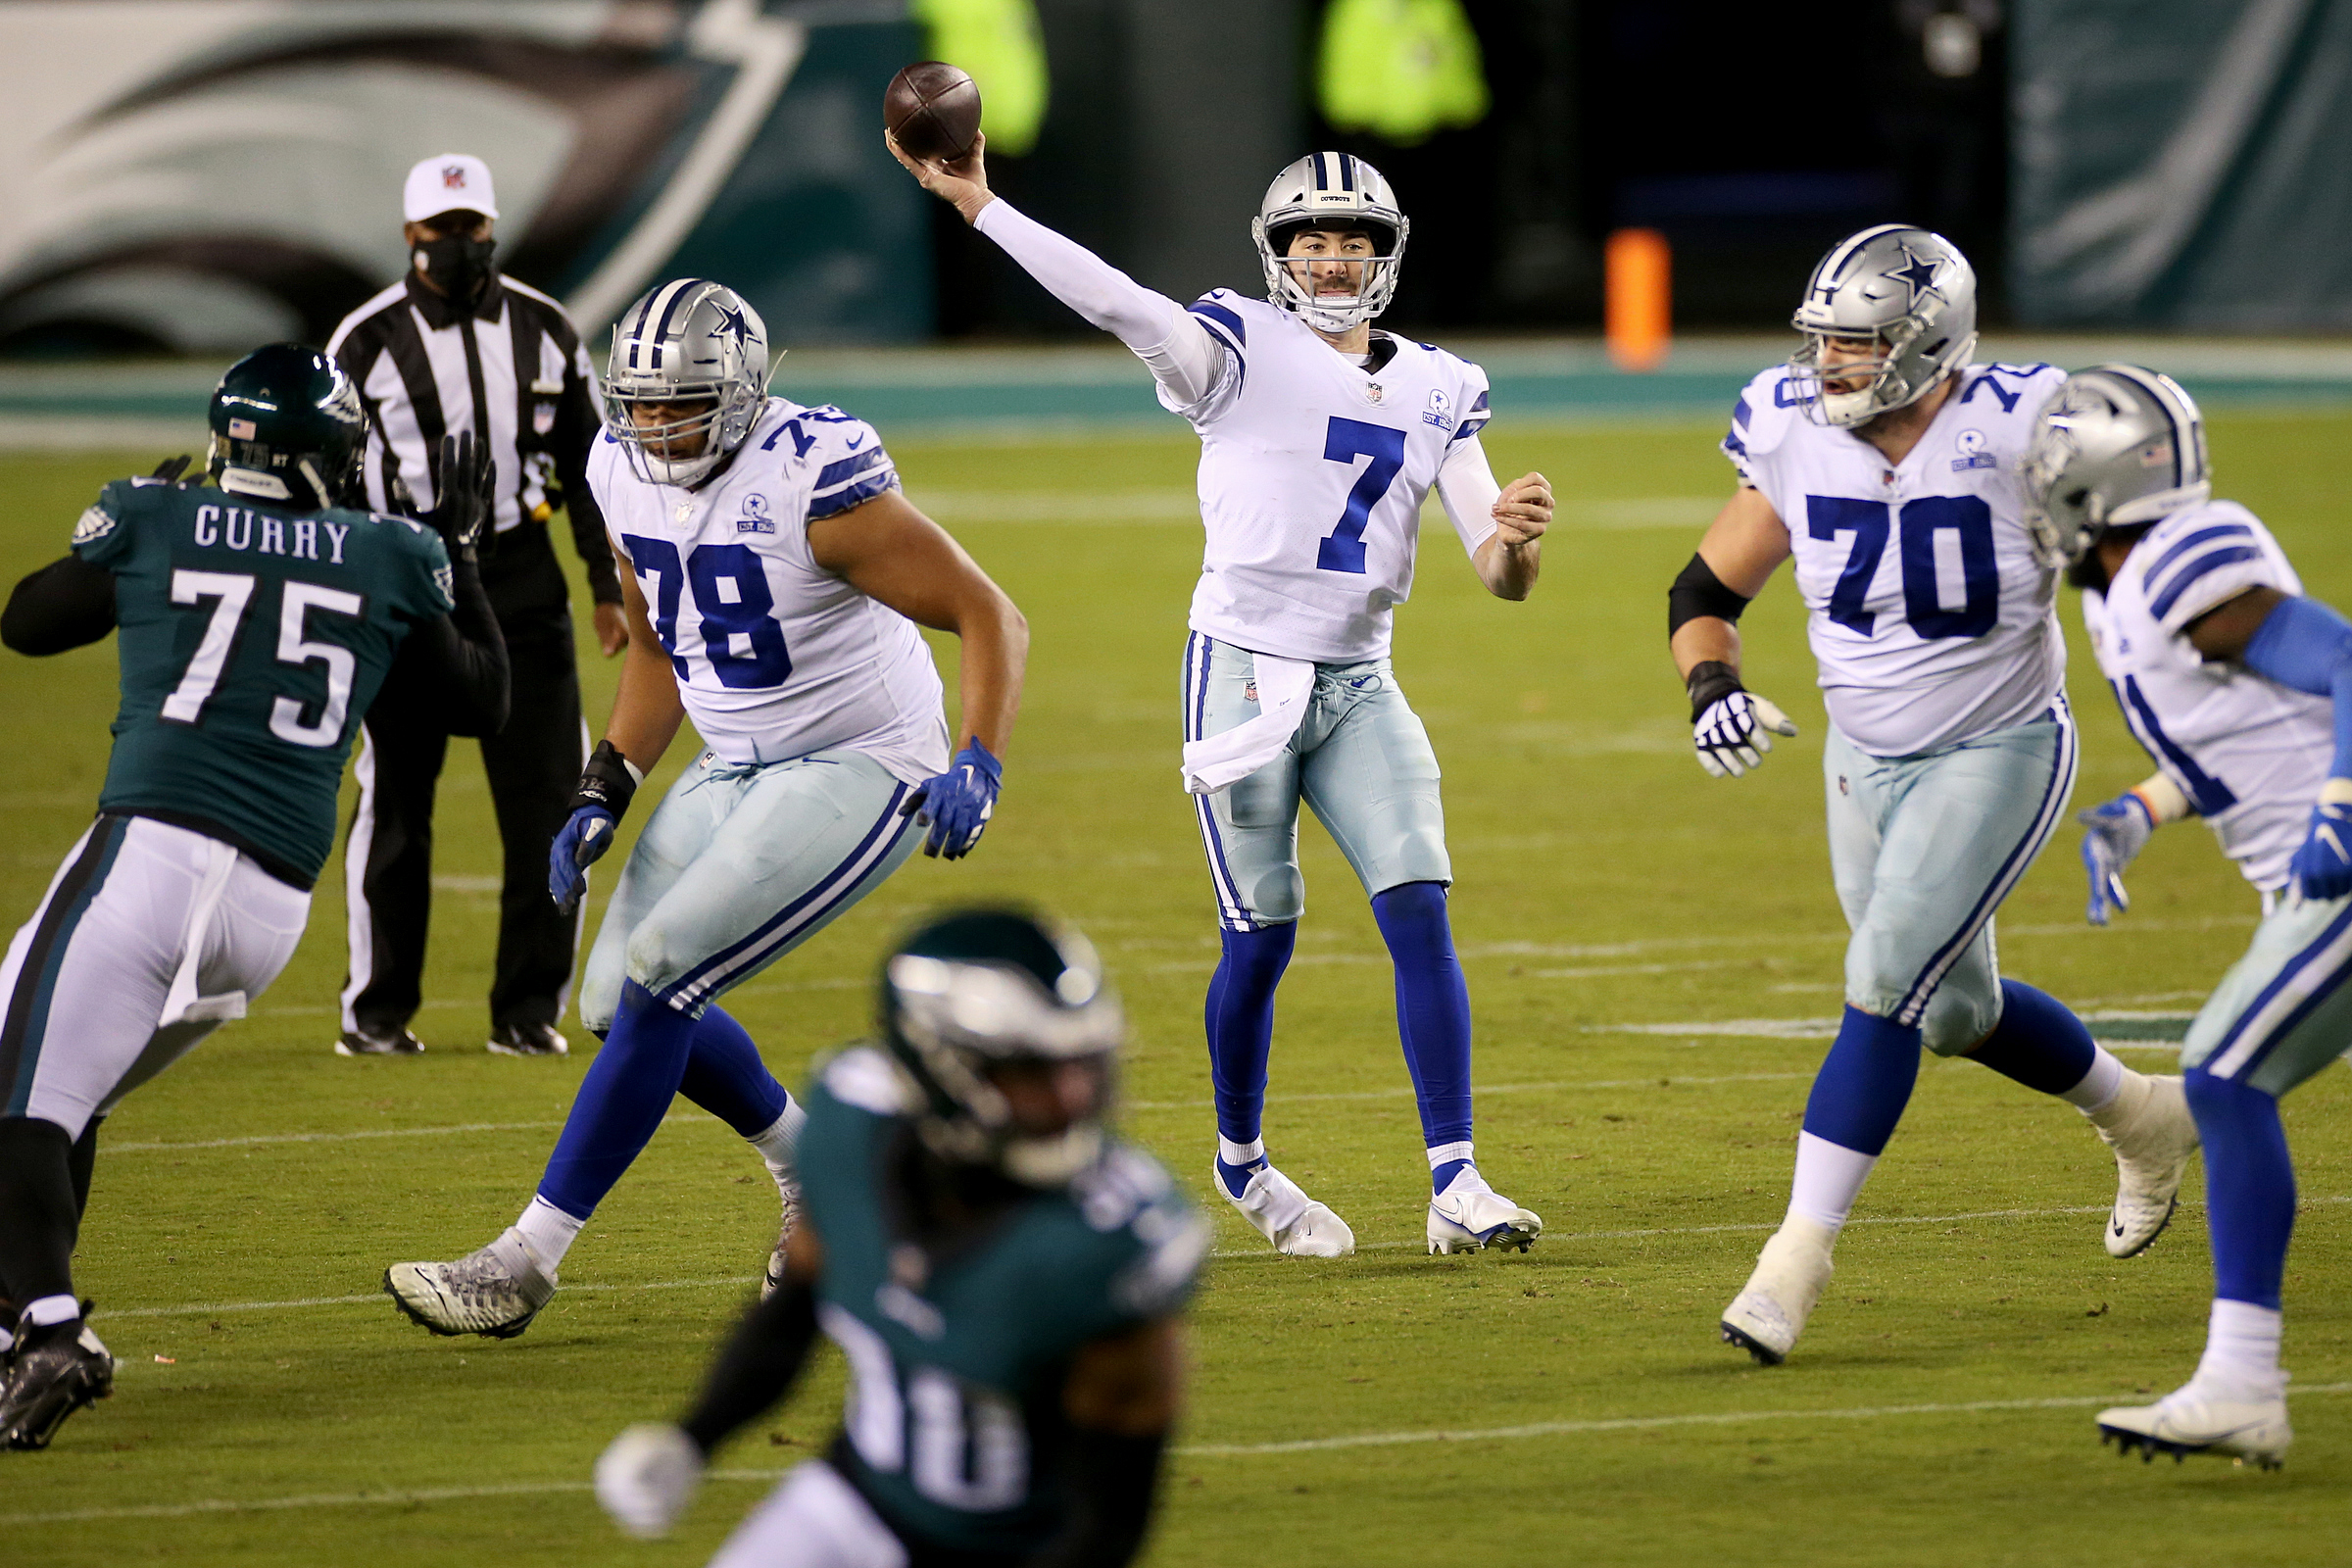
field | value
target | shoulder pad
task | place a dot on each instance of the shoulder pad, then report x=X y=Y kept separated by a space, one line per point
x=1763 y=413
x=1175 y=1239
x=863 y=1076
x=2014 y=388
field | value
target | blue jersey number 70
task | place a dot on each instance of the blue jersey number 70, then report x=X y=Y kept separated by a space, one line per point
x=1342 y=549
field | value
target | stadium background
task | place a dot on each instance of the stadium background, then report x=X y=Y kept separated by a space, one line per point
x=1650 y=956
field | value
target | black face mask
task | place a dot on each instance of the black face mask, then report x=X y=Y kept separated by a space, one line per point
x=458 y=263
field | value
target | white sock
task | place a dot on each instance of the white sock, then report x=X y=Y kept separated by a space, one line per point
x=780 y=1144
x=1829 y=1177
x=2241 y=1348
x=45 y=1311
x=548 y=1231
x=1233 y=1153
x=2100 y=1086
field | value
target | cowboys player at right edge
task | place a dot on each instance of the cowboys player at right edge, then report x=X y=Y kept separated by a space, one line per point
x=1319 y=440
x=1882 y=460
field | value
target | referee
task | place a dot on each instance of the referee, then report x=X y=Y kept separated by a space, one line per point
x=454 y=346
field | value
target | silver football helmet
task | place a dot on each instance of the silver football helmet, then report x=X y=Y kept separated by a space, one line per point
x=1329 y=190
x=2115 y=445
x=688 y=341
x=984 y=989
x=1909 y=291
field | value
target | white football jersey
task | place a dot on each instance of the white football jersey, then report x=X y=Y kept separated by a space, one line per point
x=1930 y=619
x=776 y=657
x=1312 y=474
x=2248 y=752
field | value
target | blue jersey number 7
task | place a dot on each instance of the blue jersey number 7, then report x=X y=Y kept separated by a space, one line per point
x=1342 y=549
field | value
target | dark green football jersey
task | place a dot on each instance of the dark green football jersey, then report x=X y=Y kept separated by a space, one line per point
x=253 y=635
x=955 y=1429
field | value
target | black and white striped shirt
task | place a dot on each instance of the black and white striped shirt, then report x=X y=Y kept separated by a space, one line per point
x=512 y=371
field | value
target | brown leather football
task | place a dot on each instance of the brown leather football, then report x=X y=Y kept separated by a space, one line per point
x=933 y=109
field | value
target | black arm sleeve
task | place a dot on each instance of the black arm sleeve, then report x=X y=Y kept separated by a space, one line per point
x=757 y=1367
x=459 y=659
x=66 y=604
x=1112 y=1480
x=1699 y=592
x=577 y=426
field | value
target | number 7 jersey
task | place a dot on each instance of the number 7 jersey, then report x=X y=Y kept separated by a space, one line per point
x=1931 y=618
x=776 y=657
x=1312 y=474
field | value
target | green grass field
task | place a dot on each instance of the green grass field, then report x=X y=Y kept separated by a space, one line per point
x=1568 y=1405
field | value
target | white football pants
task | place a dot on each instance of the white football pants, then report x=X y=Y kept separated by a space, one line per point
x=813 y=1519
x=150 y=937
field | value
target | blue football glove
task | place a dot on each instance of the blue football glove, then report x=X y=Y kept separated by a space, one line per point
x=2322 y=866
x=2114 y=833
x=959 y=803
x=607 y=785
x=582 y=842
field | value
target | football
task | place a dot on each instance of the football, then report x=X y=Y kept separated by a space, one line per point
x=933 y=109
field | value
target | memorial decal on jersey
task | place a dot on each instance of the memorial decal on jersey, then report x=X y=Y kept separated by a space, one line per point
x=755 y=517
x=1439 y=412
x=1971 y=445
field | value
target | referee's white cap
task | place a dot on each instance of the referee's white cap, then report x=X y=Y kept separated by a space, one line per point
x=449 y=182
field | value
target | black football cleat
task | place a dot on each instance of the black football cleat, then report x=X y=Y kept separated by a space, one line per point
x=55 y=1372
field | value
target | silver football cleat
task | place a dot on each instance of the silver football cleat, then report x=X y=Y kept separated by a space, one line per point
x=495 y=1292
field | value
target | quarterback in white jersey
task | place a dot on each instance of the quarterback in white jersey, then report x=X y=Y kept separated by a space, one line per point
x=1319 y=440
x=2241 y=688
x=776 y=580
x=1883 y=463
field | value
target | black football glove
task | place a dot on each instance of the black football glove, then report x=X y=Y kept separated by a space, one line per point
x=464 y=483
x=171 y=468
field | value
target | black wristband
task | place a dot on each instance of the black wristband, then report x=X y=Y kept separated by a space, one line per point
x=606 y=781
x=1698 y=592
x=1709 y=683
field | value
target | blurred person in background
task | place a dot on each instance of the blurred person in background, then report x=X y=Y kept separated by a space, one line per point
x=456 y=346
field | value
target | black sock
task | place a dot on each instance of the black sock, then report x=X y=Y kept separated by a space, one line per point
x=38 y=1217
x=78 y=1165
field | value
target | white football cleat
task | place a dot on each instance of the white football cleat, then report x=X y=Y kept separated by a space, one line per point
x=774 y=1281
x=2189 y=1420
x=1297 y=1225
x=495 y=1292
x=1469 y=1215
x=2152 y=1133
x=1766 y=1317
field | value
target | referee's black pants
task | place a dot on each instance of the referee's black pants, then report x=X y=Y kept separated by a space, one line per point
x=533 y=766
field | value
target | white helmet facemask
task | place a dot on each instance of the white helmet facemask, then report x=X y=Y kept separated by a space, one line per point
x=1331 y=191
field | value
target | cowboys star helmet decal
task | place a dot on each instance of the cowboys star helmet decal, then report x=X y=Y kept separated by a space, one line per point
x=1917 y=273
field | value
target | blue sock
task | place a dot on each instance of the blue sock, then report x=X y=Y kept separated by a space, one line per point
x=1239 y=1016
x=621 y=1101
x=1432 y=1013
x=725 y=1076
x=1864 y=1083
x=2037 y=1042
x=2249 y=1186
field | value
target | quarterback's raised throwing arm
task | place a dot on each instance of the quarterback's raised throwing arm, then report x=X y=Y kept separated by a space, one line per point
x=775 y=577
x=1882 y=461
x=1321 y=438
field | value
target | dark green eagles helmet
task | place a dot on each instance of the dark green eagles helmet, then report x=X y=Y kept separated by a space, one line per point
x=287 y=427
x=978 y=991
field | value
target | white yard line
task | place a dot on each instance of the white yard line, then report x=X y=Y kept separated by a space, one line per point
x=260 y=1138
x=198 y=1309
x=1190 y=1450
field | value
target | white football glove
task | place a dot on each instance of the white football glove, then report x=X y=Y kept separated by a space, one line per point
x=647 y=1477
x=1734 y=732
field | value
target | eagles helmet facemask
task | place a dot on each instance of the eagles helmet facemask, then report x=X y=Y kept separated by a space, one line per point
x=1910 y=292
x=1329 y=190
x=688 y=341
x=984 y=989
x=2114 y=447
x=287 y=426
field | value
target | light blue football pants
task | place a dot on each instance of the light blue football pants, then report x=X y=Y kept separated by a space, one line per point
x=1923 y=850
x=2283 y=1011
x=1361 y=760
x=736 y=868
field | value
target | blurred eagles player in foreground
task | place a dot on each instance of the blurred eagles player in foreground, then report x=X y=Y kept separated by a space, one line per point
x=257 y=617
x=777 y=576
x=1882 y=460
x=1321 y=438
x=2242 y=690
x=1003 y=1276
